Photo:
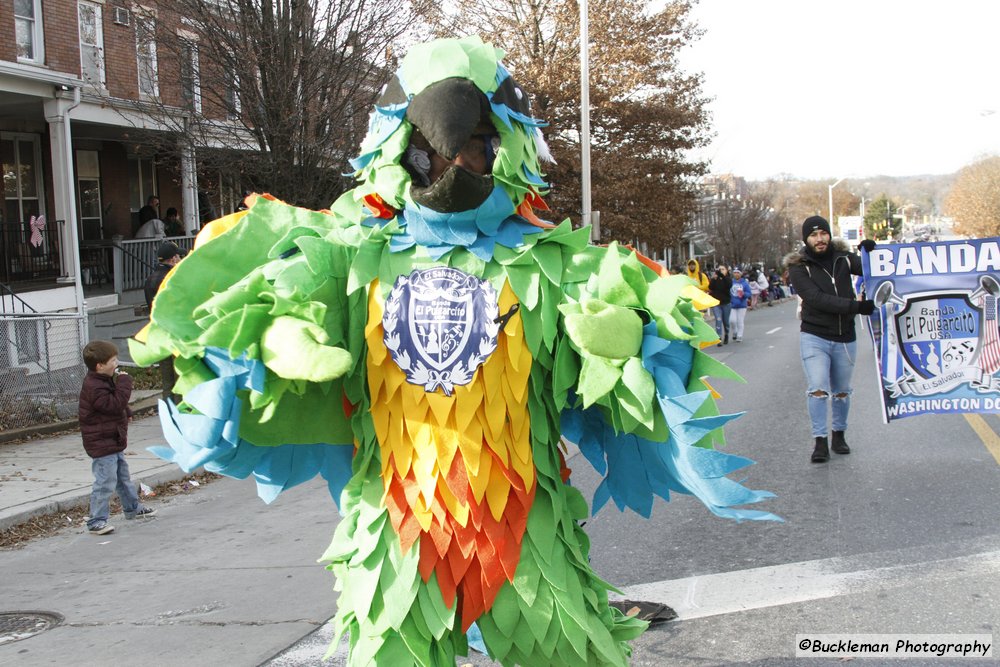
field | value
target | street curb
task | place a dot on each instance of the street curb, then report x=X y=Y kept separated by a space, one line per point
x=170 y=473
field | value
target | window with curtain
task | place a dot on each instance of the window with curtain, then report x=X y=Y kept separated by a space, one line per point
x=28 y=30
x=145 y=53
x=89 y=16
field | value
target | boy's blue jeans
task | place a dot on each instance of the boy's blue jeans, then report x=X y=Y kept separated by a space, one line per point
x=828 y=367
x=111 y=475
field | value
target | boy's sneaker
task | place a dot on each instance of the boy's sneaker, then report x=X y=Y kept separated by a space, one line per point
x=142 y=513
x=101 y=529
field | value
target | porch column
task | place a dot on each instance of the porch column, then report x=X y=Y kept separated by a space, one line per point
x=189 y=190
x=57 y=112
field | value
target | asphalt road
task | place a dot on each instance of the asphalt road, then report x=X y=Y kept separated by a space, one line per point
x=901 y=536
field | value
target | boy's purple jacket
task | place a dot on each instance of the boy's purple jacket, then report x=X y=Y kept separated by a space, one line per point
x=104 y=413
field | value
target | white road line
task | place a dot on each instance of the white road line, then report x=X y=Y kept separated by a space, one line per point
x=773 y=330
x=729 y=592
x=757 y=588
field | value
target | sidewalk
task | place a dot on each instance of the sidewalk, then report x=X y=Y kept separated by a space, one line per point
x=52 y=473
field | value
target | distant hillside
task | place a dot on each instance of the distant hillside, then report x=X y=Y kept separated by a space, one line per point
x=926 y=191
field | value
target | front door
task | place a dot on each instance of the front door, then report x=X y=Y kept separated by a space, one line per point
x=88 y=182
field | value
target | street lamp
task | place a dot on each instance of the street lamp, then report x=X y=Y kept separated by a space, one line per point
x=830 y=192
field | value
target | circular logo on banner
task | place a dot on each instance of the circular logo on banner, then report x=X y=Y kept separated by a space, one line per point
x=440 y=325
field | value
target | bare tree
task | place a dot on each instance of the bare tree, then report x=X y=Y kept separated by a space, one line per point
x=645 y=112
x=755 y=229
x=272 y=93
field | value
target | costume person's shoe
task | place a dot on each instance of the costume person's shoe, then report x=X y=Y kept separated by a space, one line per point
x=838 y=444
x=821 y=453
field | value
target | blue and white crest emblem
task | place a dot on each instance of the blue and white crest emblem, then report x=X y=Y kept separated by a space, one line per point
x=939 y=333
x=934 y=342
x=440 y=325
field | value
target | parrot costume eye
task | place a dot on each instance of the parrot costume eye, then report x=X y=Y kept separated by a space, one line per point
x=511 y=95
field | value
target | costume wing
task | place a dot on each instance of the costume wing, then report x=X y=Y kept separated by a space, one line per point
x=628 y=373
x=265 y=337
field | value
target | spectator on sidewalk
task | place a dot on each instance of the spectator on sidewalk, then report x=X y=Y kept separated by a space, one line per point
x=168 y=256
x=739 y=299
x=104 y=417
x=821 y=274
x=718 y=288
x=775 y=285
x=751 y=278
x=762 y=285
x=695 y=274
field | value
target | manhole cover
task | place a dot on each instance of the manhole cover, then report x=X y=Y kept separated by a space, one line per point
x=17 y=625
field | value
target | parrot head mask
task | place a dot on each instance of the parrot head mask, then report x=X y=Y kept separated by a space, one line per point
x=452 y=152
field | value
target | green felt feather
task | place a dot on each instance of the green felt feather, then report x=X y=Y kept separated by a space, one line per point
x=556 y=610
x=405 y=620
x=465 y=58
x=603 y=329
x=611 y=283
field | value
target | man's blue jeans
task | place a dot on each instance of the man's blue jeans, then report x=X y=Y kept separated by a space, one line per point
x=828 y=367
x=111 y=475
x=721 y=315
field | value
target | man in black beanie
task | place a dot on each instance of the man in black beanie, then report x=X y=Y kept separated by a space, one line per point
x=821 y=272
x=168 y=255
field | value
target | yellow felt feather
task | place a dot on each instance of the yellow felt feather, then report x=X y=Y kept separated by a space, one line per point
x=421 y=433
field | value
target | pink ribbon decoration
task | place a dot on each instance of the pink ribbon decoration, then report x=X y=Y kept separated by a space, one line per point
x=37 y=225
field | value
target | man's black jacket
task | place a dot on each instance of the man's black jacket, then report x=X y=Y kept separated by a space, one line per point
x=828 y=301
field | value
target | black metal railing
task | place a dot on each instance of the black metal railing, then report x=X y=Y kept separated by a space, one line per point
x=12 y=304
x=30 y=254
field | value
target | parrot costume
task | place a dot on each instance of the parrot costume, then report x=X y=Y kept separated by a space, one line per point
x=423 y=345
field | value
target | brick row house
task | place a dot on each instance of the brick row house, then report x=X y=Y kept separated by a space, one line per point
x=83 y=85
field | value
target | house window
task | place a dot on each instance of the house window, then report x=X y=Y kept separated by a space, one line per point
x=145 y=53
x=28 y=30
x=21 y=160
x=91 y=42
x=233 y=106
x=190 y=75
x=141 y=178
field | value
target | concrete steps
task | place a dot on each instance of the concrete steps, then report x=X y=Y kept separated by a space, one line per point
x=117 y=324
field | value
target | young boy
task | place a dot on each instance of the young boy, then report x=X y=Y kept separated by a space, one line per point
x=104 y=417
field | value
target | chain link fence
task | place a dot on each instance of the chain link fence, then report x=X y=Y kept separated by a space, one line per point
x=41 y=368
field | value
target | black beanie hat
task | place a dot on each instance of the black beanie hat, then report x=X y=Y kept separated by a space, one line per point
x=166 y=250
x=813 y=223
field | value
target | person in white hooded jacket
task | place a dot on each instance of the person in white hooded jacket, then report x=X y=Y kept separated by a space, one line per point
x=762 y=285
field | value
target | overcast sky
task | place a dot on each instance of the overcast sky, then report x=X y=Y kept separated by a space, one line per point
x=849 y=88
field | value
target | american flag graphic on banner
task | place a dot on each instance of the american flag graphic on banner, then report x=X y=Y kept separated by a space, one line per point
x=989 y=357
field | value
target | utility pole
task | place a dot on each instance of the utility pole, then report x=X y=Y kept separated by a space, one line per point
x=585 y=119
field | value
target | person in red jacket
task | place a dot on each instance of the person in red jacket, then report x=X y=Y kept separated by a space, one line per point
x=104 y=417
